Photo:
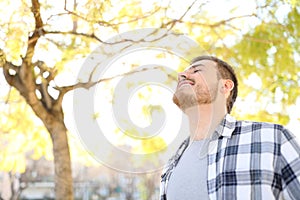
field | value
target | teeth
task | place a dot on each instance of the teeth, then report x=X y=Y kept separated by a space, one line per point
x=185 y=83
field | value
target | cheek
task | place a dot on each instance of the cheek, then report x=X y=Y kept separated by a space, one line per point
x=202 y=89
x=207 y=78
x=204 y=84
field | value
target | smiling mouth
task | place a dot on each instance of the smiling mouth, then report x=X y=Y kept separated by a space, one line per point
x=185 y=82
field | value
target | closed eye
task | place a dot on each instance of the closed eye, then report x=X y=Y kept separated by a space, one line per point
x=197 y=70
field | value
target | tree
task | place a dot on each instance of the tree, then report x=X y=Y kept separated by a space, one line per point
x=272 y=49
x=31 y=32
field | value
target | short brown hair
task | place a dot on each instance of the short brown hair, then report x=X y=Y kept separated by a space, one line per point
x=226 y=72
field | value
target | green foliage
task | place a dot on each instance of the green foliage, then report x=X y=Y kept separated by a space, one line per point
x=271 y=50
x=264 y=116
x=266 y=43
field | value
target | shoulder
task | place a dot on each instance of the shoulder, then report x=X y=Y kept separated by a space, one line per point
x=245 y=128
x=259 y=126
x=263 y=129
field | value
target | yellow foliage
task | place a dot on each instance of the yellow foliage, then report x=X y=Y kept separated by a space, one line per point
x=13 y=163
x=20 y=130
x=151 y=145
x=22 y=135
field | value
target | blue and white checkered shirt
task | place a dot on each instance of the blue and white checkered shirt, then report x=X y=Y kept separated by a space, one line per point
x=247 y=160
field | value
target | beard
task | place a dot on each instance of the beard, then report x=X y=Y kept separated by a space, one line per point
x=188 y=97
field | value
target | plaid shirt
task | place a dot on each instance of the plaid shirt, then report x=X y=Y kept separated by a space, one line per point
x=247 y=160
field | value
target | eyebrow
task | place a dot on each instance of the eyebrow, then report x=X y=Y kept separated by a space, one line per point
x=196 y=65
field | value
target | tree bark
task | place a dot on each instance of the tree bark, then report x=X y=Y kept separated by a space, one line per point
x=62 y=161
x=54 y=122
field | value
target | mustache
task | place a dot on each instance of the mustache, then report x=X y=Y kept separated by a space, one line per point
x=186 y=80
x=190 y=81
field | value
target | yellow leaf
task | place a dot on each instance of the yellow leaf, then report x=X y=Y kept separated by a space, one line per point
x=153 y=145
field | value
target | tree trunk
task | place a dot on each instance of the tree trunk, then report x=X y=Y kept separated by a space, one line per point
x=48 y=109
x=62 y=161
x=54 y=122
x=53 y=119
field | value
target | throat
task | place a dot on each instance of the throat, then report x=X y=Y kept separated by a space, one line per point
x=203 y=121
x=201 y=130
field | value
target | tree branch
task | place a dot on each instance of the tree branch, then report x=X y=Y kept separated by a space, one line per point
x=173 y=22
x=109 y=23
x=213 y=25
x=46 y=99
x=222 y=22
x=93 y=36
x=38 y=31
x=89 y=84
x=11 y=79
x=44 y=68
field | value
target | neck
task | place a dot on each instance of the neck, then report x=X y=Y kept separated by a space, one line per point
x=204 y=119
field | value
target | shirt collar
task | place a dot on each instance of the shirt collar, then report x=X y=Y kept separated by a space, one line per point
x=226 y=127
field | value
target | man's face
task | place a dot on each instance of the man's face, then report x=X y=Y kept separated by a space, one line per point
x=197 y=85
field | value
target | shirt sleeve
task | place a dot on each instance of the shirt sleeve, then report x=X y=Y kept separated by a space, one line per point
x=290 y=165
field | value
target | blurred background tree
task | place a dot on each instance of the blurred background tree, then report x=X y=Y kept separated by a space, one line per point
x=41 y=42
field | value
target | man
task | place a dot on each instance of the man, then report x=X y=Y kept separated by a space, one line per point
x=224 y=158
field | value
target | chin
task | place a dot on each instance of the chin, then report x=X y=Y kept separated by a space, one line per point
x=184 y=102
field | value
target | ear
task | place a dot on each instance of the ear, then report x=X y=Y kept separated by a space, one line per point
x=227 y=86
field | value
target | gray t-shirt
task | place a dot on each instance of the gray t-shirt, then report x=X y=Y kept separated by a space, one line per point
x=189 y=178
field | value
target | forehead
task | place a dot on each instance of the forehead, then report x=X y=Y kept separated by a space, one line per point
x=208 y=64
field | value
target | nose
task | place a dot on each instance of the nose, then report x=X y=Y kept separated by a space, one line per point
x=182 y=76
